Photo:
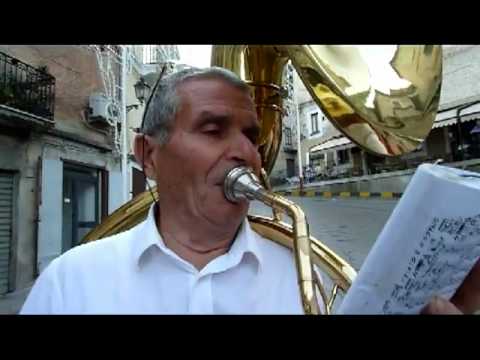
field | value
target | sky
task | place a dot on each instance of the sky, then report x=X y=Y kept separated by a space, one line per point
x=195 y=55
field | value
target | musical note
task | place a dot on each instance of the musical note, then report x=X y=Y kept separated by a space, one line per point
x=437 y=263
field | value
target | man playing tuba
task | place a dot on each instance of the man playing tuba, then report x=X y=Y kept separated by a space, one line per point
x=195 y=253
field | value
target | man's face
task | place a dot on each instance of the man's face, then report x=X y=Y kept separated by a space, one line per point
x=215 y=130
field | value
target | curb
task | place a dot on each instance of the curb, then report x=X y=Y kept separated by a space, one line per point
x=343 y=194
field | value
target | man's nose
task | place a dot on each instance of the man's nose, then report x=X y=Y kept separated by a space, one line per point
x=243 y=151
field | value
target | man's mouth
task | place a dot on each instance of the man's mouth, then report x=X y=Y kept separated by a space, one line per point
x=220 y=183
x=225 y=173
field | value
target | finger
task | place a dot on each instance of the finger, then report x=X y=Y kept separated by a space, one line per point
x=439 y=306
x=467 y=296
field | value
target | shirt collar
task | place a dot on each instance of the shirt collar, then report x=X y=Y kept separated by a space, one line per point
x=147 y=237
x=245 y=242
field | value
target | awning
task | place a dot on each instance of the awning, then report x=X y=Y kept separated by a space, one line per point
x=449 y=117
x=331 y=144
x=444 y=118
x=443 y=123
x=453 y=121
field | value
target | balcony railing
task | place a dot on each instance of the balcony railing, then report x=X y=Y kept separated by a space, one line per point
x=26 y=88
x=291 y=149
x=158 y=54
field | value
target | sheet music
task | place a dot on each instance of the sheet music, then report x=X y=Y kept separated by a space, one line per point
x=427 y=247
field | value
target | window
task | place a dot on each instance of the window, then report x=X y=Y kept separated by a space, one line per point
x=288 y=136
x=343 y=156
x=314 y=123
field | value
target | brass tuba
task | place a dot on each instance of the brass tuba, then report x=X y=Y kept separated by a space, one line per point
x=383 y=98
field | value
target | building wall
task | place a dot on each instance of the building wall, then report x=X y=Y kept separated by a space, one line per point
x=279 y=170
x=326 y=129
x=289 y=121
x=24 y=160
x=461 y=75
x=77 y=77
x=21 y=160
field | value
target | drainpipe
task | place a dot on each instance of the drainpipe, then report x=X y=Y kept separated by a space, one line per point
x=124 y=127
x=299 y=146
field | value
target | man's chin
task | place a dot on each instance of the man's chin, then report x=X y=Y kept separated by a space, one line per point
x=240 y=207
x=231 y=211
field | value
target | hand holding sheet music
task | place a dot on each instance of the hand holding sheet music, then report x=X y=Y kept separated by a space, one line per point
x=427 y=247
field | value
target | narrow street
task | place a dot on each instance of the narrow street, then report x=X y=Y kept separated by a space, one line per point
x=348 y=226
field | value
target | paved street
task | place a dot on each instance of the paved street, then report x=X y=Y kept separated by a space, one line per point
x=347 y=226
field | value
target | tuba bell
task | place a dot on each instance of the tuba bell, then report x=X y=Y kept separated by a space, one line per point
x=383 y=98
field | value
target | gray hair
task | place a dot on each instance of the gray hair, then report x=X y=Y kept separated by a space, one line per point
x=165 y=103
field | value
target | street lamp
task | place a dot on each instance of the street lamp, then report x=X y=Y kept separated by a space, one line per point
x=142 y=89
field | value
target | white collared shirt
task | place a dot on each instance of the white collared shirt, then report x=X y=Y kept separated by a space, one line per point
x=135 y=273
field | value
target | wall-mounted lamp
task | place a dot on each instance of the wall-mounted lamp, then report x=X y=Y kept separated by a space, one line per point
x=142 y=90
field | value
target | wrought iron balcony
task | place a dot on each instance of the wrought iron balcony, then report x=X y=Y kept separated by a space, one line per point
x=26 y=88
x=290 y=148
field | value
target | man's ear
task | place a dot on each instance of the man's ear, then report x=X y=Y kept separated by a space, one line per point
x=143 y=148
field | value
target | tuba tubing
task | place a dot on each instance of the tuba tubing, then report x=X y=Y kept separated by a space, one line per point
x=241 y=183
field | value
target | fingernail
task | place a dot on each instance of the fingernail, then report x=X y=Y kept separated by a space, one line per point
x=438 y=304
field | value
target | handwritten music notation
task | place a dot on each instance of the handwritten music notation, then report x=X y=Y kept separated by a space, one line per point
x=439 y=263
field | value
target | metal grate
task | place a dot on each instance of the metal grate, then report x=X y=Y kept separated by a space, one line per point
x=6 y=218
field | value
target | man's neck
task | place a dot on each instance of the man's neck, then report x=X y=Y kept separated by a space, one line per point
x=196 y=242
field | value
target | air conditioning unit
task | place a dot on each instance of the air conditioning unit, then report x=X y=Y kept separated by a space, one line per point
x=100 y=107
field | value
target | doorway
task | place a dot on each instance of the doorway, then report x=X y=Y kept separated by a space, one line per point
x=82 y=203
x=290 y=168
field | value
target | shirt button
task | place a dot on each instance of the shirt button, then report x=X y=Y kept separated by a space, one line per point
x=201 y=296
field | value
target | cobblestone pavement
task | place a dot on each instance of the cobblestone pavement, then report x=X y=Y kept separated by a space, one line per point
x=348 y=226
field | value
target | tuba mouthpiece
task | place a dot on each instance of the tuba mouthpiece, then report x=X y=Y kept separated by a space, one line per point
x=241 y=183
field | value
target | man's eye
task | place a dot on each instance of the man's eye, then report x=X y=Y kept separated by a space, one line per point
x=253 y=136
x=211 y=130
x=254 y=139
